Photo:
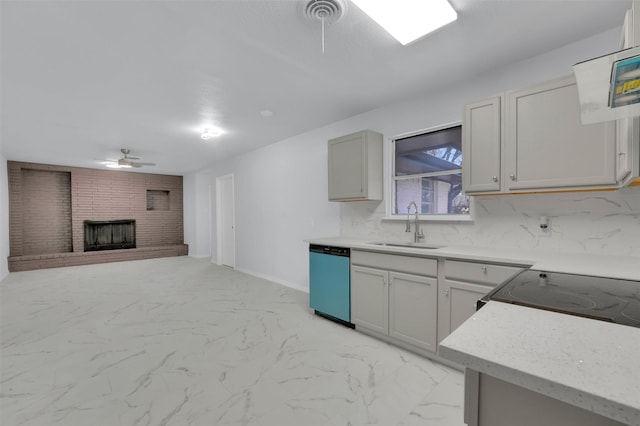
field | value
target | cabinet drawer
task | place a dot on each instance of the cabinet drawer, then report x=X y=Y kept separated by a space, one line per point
x=485 y=273
x=408 y=264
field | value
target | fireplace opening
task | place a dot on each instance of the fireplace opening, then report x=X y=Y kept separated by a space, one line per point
x=109 y=234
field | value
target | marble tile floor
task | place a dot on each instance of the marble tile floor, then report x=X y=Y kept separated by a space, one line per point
x=179 y=341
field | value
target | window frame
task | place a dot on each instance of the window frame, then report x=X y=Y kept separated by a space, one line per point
x=390 y=180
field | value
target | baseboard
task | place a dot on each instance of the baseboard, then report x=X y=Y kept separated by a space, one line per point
x=273 y=279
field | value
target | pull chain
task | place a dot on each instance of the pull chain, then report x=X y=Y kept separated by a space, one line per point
x=323 y=34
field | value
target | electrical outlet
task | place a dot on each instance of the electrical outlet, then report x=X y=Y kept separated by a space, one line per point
x=545 y=227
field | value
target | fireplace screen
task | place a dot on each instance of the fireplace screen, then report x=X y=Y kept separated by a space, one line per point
x=109 y=235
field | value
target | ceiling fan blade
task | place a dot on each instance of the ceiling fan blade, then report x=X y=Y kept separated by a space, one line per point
x=142 y=164
x=133 y=158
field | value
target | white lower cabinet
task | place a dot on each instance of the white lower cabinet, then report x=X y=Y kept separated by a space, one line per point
x=463 y=284
x=413 y=309
x=458 y=304
x=370 y=298
x=400 y=305
x=401 y=299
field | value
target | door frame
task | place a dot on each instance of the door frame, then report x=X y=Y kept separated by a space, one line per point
x=219 y=205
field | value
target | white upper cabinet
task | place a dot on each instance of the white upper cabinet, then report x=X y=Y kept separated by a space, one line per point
x=355 y=167
x=628 y=129
x=533 y=140
x=549 y=147
x=481 y=136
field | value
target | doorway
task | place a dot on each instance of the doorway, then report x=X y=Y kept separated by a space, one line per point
x=225 y=221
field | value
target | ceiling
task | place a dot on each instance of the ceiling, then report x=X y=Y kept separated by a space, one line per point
x=81 y=79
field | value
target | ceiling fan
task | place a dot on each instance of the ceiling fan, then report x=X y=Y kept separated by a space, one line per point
x=126 y=161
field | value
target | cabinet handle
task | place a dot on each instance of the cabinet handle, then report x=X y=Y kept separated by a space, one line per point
x=621 y=154
x=484 y=269
x=446 y=292
x=512 y=176
x=495 y=178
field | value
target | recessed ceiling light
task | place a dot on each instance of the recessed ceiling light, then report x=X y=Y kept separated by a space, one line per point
x=266 y=113
x=408 y=20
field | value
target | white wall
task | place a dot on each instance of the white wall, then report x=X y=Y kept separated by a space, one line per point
x=280 y=200
x=4 y=218
x=197 y=213
x=281 y=190
x=189 y=211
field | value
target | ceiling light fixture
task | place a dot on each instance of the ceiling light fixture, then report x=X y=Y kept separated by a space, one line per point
x=116 y=165
x=209 y=133
x=408 y=20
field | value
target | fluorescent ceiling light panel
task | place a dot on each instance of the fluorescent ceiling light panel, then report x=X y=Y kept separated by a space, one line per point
x=408 y=20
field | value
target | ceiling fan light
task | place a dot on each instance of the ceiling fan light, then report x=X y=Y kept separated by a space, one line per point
x=408 y=20
x=117 y=166
x=209 y=133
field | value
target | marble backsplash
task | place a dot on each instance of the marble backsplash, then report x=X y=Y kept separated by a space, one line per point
x=606 y=222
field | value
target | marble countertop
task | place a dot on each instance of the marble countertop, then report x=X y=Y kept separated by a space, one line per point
x=591 y=364
x=601 y=265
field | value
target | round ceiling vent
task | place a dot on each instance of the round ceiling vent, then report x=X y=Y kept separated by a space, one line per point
x=328 y=11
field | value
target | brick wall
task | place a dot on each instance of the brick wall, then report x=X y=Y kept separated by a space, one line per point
x=46 y=211
x=39 y=223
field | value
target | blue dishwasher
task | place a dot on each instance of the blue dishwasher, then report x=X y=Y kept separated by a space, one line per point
x=330 y=282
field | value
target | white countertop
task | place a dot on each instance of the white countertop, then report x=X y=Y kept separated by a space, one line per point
x=591 y=364
x=624 y=267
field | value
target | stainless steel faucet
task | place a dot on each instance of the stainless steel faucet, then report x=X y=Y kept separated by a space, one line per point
x=417 y=235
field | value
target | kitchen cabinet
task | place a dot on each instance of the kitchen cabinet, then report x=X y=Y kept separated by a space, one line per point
x=355 y=167
x=549 y=147
x=628 y=129
x=370 y=298
x=463 y=284
x=482 y=135
x=396 y=297
x=533 y=140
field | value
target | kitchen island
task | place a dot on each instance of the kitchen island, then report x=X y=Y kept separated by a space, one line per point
x=579 y=362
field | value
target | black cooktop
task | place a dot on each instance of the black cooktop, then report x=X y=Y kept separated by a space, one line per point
x=605 y=299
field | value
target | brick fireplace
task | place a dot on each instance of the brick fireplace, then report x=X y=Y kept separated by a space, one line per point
x=63 y=216
x=109 y=234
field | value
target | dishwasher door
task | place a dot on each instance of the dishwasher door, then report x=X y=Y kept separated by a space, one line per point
x=330 y=282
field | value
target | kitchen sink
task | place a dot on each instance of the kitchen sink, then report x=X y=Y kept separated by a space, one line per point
x=408 y=245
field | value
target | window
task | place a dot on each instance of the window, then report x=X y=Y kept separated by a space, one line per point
x=427 y=169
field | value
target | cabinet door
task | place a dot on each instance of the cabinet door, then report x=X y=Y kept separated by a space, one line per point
x=413 y=309
x=347 y=167
x=457 y=304
x=546 y=144
x=370 y=298
x=627 y=149
x=481 y=146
